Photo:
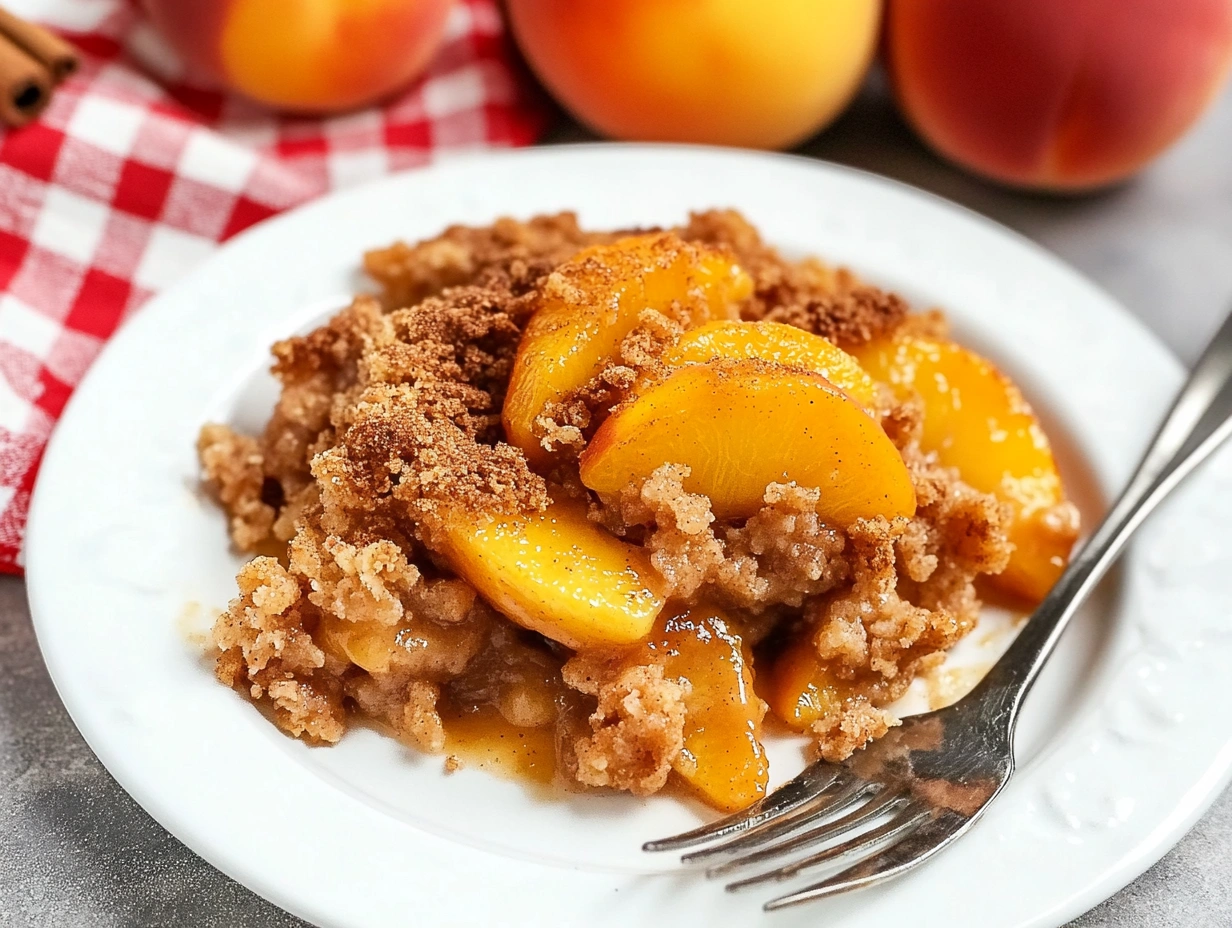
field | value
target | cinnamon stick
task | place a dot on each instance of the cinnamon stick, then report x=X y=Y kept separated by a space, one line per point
x=25 y=85
x=45 y=47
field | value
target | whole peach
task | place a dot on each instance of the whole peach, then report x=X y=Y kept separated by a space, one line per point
x=307 y=56
x=729 y=72
x=1056 y=94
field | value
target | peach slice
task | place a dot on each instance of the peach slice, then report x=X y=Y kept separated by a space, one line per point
x=802 y=689
x=593 y=301
x=976 y=420
x=799 y=689
x=783 y=344
x=424 y=647
x=557 y=573
x=741 y=425
x=723 y=758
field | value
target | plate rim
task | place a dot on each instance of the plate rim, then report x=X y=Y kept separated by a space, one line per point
x=1188 y=808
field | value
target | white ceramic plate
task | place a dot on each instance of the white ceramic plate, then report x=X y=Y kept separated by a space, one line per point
x=1124 y=742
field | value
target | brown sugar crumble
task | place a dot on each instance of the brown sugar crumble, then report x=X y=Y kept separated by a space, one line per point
x=389 y=422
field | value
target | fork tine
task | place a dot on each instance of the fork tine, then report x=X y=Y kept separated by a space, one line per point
x=901 y=856
x=812 y=780
x=893 y=831
x=889 y=800
x=849 y=792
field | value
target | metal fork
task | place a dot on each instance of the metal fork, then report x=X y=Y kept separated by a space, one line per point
x=900 y=800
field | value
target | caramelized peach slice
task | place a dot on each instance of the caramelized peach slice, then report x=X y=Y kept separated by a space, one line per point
x=723 y=758
x=777 y=342
x=976 y=420
x=800 y=690
x=592 y=302
x=557 y=573
x=741 y=425
x=421 y=647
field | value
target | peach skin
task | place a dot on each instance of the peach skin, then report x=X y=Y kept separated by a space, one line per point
x=976 y=419
x=313 y=57
x=592 y=302
x=723 y=72
x=557 y=573
x=1056 y=94
x=742 y=425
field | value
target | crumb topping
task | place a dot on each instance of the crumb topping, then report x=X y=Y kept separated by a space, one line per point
x=391 y=411
x=637 y=728
x=831 y=302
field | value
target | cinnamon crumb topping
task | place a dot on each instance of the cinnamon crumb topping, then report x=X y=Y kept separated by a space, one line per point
x=391 y=411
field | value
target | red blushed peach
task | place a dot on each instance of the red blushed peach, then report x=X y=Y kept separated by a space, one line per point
x=762 y=74
x=326 y=55
x=1056 y=94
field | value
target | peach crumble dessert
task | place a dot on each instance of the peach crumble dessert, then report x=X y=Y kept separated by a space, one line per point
x=616 y=495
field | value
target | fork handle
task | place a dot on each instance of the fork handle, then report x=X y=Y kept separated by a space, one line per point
x=1200 y=419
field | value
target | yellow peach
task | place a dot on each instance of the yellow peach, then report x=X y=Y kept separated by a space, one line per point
x=557 y=573
x=308 y=56
x=976 y=420
x=719 y=72
x=592 y=302
x=742 y=425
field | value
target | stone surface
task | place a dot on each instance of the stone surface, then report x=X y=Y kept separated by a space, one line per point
x=75 y=850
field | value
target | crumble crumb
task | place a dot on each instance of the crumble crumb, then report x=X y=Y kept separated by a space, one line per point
x=637 y=729
x=234 y=465
x=830 y=302
x=521 y=253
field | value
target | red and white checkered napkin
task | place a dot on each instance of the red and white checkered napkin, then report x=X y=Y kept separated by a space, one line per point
x=126 y=182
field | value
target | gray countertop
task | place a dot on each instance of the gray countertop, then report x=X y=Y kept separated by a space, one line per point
x=75 y=850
